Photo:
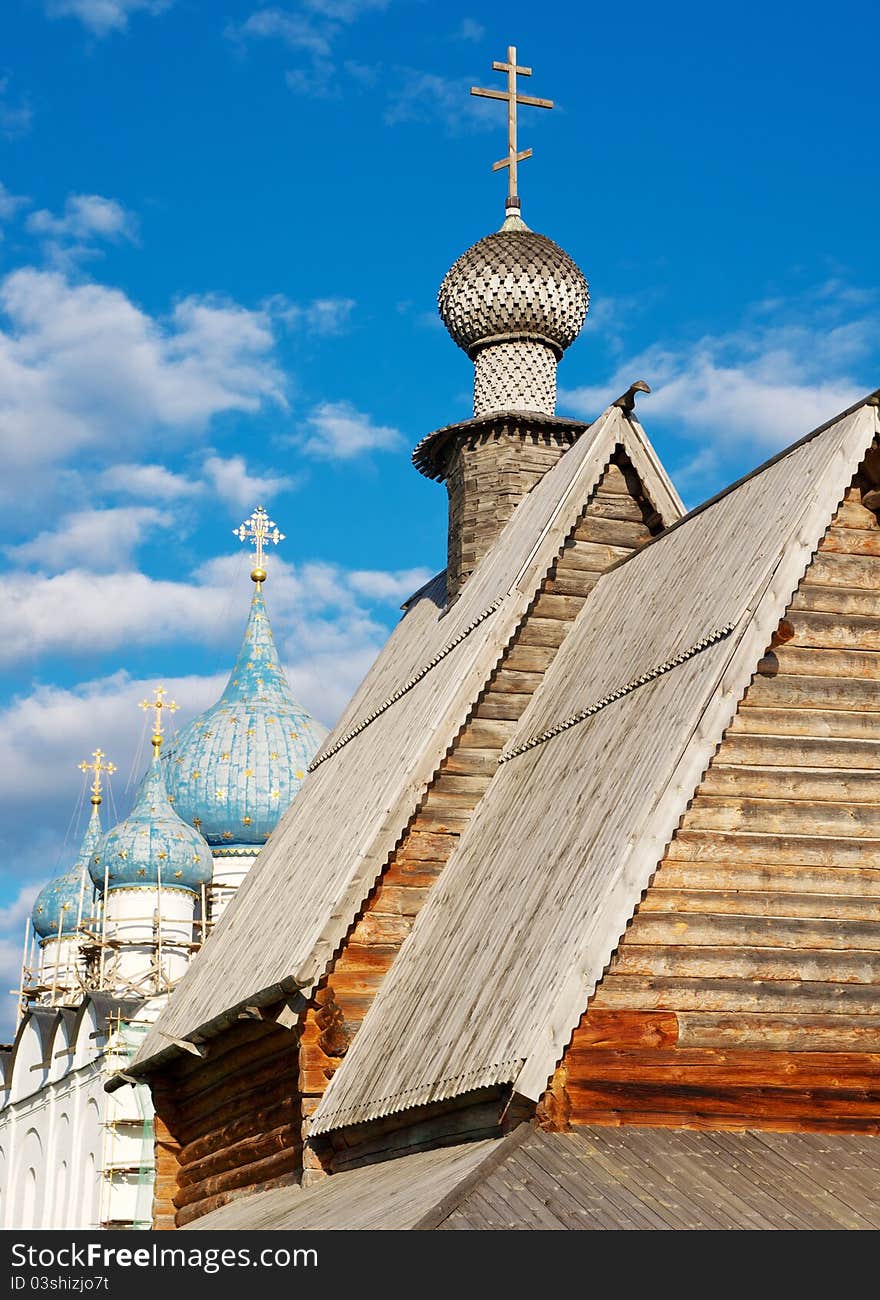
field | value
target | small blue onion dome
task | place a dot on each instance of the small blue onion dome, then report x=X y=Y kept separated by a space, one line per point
x=234 y=770
x=152 y=846
x=59 y=902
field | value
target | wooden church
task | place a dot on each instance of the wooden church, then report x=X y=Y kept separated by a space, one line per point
x=584 y=888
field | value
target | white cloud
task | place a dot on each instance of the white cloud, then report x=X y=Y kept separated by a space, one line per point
x=15 y=115
x=312 y=31
x=750 y=391
x=82 y=367
x=230 y=480
x=420 y=96
x=338 y=431
x=101 y=17
x=86 y=216
x=10 y=203
x=322 y=316
x=470 y=30
x=99 y=539
x=148 y=482
x=391 y=587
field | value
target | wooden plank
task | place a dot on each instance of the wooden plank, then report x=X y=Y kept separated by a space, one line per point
x=612 y=532
x=748 y=932
x=782 y=1033
x=548 y=632
x=819 y=598
x=839 y=723
x=791 y=692
x=740 y=902
x=852 y=541
x=784 y=817
x=564 y=608
x=830 y=631
x=831 y=784
x=842 y=570
x=584 y=554
x=810 y=850
x=809 y=661
x=671 y=993
x=571 y=582
x=503 y=705
x=803 y=751
x=840 y=966
x=784 y=877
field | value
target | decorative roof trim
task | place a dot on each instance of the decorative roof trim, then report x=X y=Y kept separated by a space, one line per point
x=407 y=686
x=718 y=635
x=426 y=452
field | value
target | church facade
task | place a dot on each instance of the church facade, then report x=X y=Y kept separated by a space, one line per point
x=114 y=934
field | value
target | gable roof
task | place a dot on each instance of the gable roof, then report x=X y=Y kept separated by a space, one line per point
x=368 y=778
x=548 y=873
x=594 y=1179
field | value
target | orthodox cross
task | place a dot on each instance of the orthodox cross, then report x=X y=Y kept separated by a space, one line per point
x=158 y=705
x=513 y=98
x=260 y=530
x=97 y=766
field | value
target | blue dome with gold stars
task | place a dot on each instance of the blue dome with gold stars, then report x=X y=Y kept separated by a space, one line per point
x=234 y=770
x=60 y=902
x=152 y=846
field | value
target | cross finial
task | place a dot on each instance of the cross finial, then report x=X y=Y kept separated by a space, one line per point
x=513 y=98
x=158 y=705
x=260 y=530
x=97 y=766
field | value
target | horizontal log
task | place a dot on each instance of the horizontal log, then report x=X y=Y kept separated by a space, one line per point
x=201 y=1208
x=809 y=661
x=259 y=1120
x=784 y=817
x=852 y=541
x=593 y=555
x=488 y=733
x=811 y=851
x=682 y=993
x=792 y=692
x=607 y=505
x=529 y=658
x=838 y=1105
x=563 y=608
x=571 y=582
x=250 y=1059
x=356 y=982
x=786 y=877
x=398 y=900
x=502 y=704
x=464 y=761
x=616 y=480
x=421 y=875
x=801 y=751
x=205 y=1114
x=517 y=683
x=835 y=966
x=840 y=723
x=748 y=931
x=612 y=532
x=382 y=928
x=245 y=1151
x=250 y=1175
x=831 y=631
x=424 y=845
x=549 y=632
x=820 y=598
x=434 y=819
x=838 y=570
x=740 y=902
x=728 y=1067
x=626 y=1028
x=829 y=784
x=366 y=958
x=232 y=1039
x=781 y=1033
x=443 y=796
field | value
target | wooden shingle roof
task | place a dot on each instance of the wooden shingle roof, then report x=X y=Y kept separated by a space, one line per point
x=544 y=881
x=300 y=898
x=591 y=1179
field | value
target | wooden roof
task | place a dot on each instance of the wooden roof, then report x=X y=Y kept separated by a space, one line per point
x=545 y=879
x=591 y=1179
x=307 y=886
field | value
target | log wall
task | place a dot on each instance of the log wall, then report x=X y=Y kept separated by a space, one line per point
x=228 y=1123
x=616 y=521
x=746 y=991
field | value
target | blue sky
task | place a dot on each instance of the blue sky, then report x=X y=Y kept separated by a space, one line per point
x=222 y=229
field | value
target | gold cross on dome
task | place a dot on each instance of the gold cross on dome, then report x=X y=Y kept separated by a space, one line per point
x=158 y=705
x=97 y=766
x=260 y=530
x=513 y=70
